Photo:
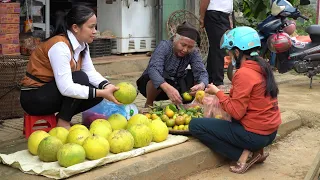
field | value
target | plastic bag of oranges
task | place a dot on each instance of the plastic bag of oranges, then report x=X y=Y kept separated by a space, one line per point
x=213 y=109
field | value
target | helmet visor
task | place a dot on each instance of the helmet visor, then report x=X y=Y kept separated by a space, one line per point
x=224 y=44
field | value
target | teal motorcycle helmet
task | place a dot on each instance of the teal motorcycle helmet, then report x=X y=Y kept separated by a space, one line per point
x=243 y=38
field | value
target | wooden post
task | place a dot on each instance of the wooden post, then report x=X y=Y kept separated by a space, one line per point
x=318 y=9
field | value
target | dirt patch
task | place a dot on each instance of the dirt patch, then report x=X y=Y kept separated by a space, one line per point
x=289 y=159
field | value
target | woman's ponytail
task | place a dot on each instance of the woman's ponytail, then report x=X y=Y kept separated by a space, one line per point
x=271 y=85
x=61 y=24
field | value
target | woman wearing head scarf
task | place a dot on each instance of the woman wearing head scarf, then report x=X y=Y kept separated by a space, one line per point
x=166 y=76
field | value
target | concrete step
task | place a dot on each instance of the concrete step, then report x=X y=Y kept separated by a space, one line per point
x=170 y=163
x=178 y=161
x=115 y=65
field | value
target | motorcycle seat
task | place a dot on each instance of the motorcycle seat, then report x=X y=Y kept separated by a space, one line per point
x=303 y=38
x=313 y=30
x=312 y=57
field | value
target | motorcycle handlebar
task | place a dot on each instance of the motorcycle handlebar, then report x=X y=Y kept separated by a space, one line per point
x=303 y=17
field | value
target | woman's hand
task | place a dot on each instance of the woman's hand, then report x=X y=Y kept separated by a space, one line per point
x=173 y=94
x=212 y=89
x=196 y=88
x=107 y=93
x=201 y=23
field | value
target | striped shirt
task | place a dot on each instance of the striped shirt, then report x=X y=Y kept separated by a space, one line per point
x=164 y=59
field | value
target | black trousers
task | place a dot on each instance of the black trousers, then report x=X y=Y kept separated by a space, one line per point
x=216 y=24
x=228 y=138
x=181 y=87
x=48 y=100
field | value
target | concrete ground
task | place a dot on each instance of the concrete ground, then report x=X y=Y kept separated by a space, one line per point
x=298 y=104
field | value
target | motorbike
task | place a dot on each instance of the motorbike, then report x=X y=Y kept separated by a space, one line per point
x=301 y=55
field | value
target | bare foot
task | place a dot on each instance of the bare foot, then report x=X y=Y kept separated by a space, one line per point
x=63 y=123
x=148 y=105
x=244 y=156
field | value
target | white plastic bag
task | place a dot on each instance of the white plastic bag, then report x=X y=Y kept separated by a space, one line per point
x=212 y=108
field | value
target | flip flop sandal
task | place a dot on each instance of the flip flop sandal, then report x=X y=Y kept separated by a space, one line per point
x=262 y=158
x=144 y=110
x=241 y=168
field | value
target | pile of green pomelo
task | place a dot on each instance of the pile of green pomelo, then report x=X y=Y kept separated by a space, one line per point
x=115 y=134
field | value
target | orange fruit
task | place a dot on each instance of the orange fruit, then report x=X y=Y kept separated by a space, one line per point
x=169 y=113
x=200 y=95
x=148 y=115
x=154 y=116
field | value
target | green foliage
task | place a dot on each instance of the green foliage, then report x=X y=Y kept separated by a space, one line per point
x=301 y=24
x=253 y=12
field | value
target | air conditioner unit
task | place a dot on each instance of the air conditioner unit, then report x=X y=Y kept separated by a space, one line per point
x=132 y=22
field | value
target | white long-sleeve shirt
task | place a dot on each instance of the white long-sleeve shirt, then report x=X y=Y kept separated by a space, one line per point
x=59 y=55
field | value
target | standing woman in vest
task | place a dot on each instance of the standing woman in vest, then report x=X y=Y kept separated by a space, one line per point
x=60 y=74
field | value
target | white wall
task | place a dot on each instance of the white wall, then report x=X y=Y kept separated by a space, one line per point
x=136 y=21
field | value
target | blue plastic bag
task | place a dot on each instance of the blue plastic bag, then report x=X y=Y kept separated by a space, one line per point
x=102 y=111
x=131 y=109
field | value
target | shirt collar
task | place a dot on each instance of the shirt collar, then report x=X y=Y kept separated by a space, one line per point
x=75 y=43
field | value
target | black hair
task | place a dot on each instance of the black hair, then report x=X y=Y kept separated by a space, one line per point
x=271 y=85
x=76 y=15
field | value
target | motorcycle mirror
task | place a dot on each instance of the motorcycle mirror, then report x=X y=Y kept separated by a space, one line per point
x=304 y=2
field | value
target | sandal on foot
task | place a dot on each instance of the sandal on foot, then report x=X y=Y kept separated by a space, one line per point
x=262 y=158
x=241 y=168
x=233 y=163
